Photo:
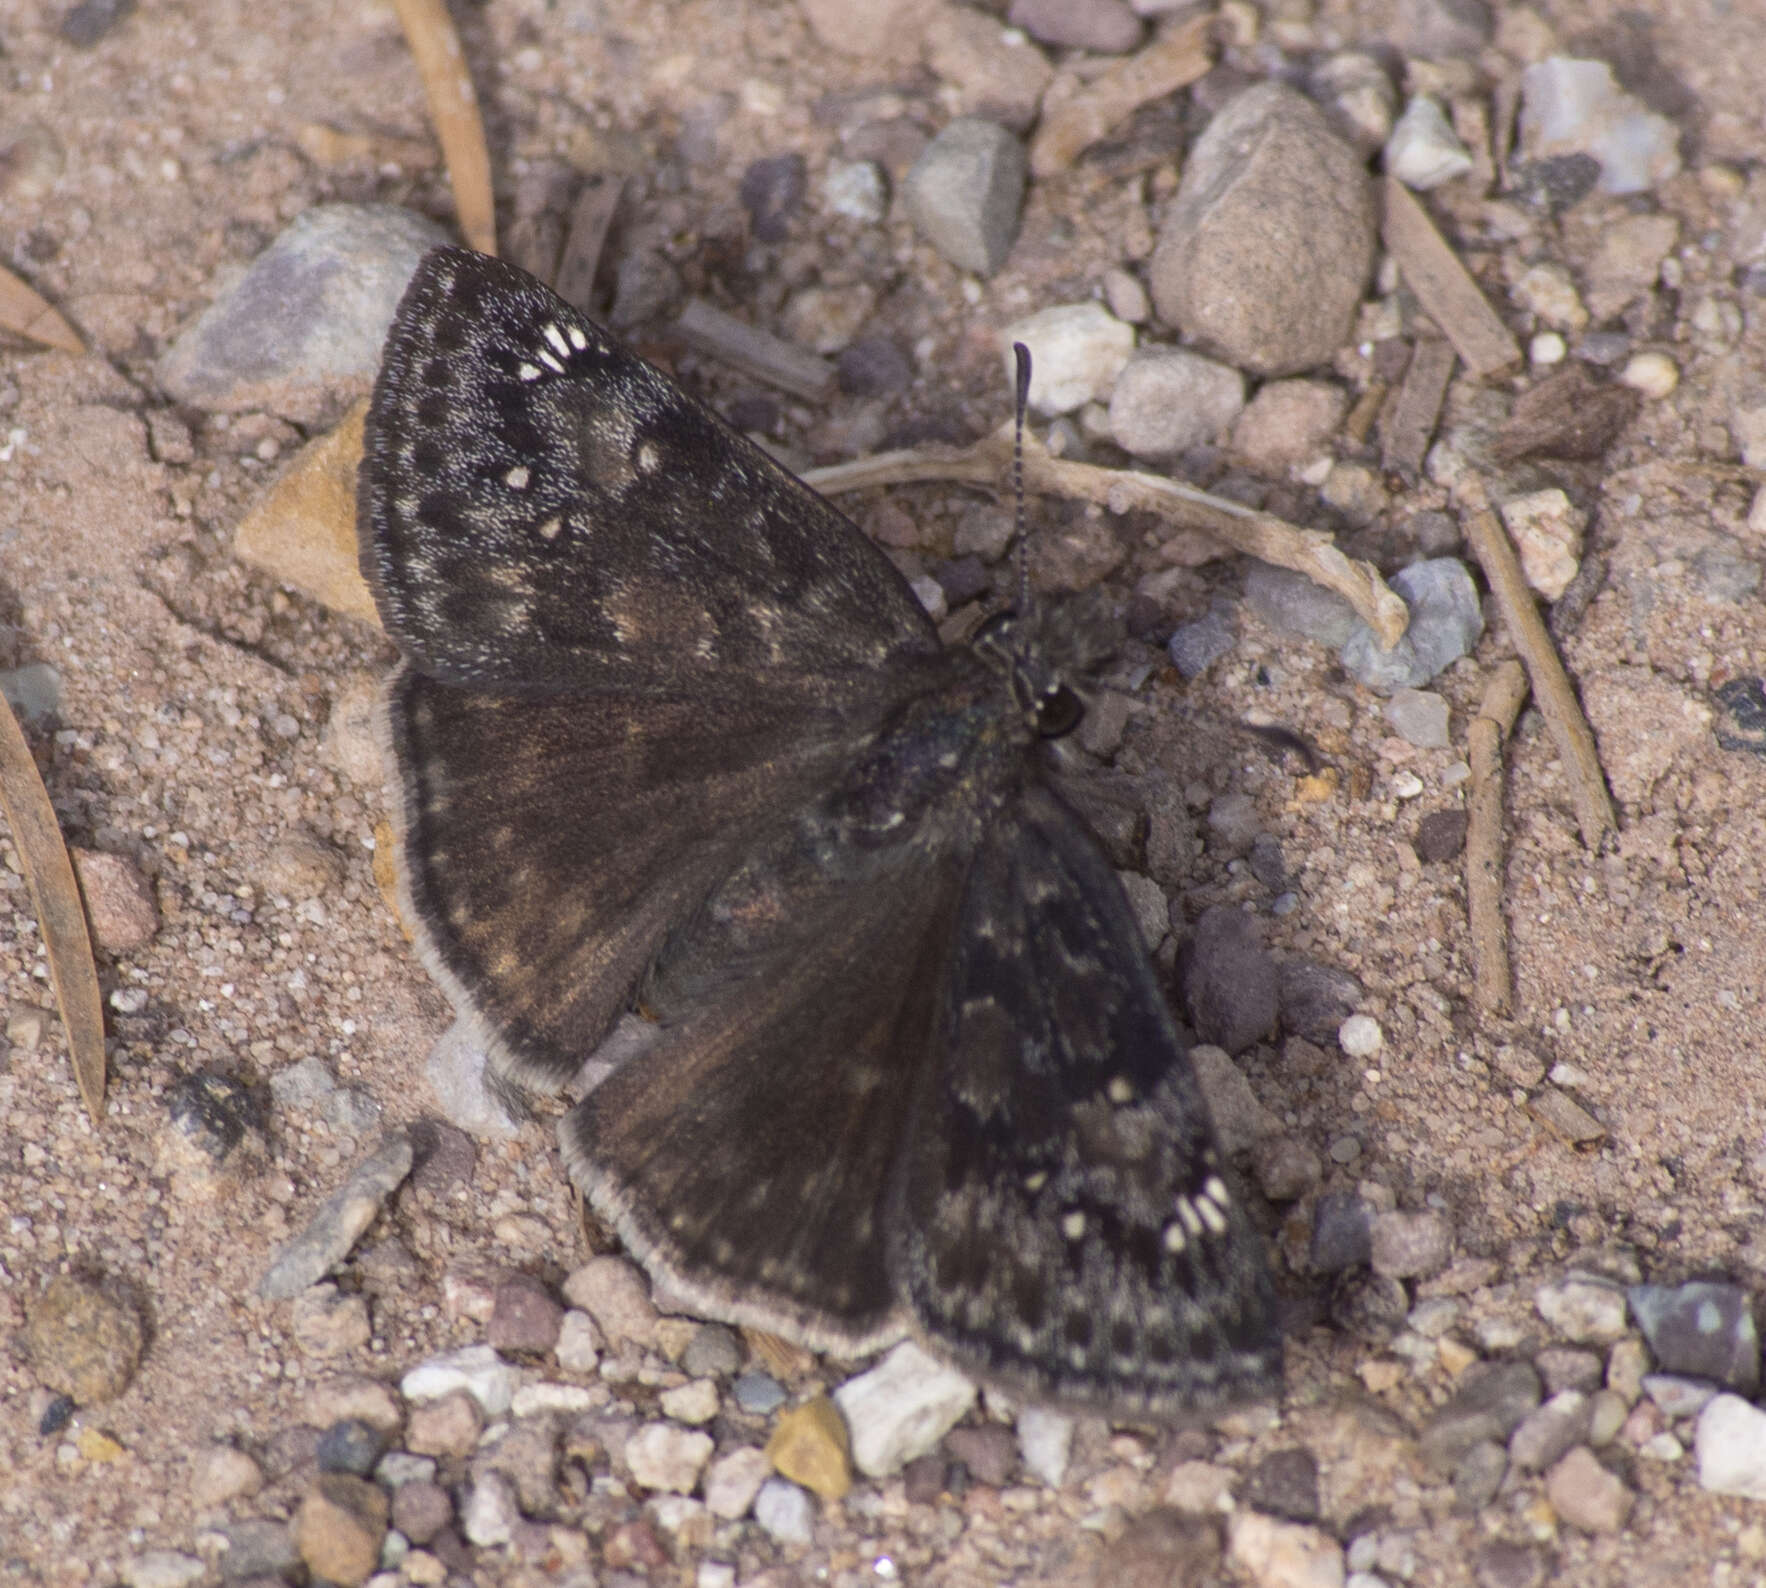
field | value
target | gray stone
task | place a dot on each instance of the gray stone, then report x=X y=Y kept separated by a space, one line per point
x=1263 y=256
x=1410 y=1245
x=1195 y=647
x=1545 y=1433
x=1107 y=27
x=339 y=1221
x=713 y=1352
x=1479 y=1475
x=1168 y=400
x=1240 y=1121
x=455 y=1070
x=1420 y=717
x=1290 y=603
x=1045 y=1440
x=1575 y=107
x=300 y=332
x=1490 y=1404
x=758 y=1394
x=1678 y=1397
x=1423 y=151
x=1227 y=980
x=662 y=1456
x=965 y=191
x=786 y=1513
x=163 y=1568
x=1446 y=619
x=1342 y=1233
x=33 y=691
x=1703 y=1330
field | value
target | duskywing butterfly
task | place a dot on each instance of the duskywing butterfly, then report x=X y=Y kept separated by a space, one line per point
x=671 y=733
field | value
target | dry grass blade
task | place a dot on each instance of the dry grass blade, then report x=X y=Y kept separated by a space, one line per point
x=60 y=916
x=27 y=314
x=1552 y=691
x=453 y=106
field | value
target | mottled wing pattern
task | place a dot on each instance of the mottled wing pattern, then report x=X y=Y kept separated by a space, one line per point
x=749 y=1155
x=551 y=843
x=540 y=508
x=1065 y=1223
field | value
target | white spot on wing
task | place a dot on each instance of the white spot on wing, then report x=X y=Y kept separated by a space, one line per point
x=527 y=371
x=551 y=363
x=1073 y=1225
x=516 y=479
x=648 y=458
x=577 y=339
x=556 y=338
x=551 y=529
x=1174 y=1237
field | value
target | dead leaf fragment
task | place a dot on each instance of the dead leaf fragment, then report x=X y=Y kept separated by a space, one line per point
x=25 y=312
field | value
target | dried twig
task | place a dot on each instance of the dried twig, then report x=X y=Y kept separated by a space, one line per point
x=26 y=312
x=1163 y=67
x=753 y=351
x=60 y=915
x=1442 y=285
x=1260 y=535
x=1485 y=850
x=1551 y=685
x=453 y=107
x=590 y=218
x=1410 y=426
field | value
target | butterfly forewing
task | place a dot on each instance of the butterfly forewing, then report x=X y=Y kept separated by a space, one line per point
x=670 y=732
x=542 y=508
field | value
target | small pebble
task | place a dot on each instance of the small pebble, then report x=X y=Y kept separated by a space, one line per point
x=120 y=903
x=1077 y=352
x=786 y=1513
x=1228 y=980
x=1703 y=1329
x=1582 y=1308
x=327 y=1322
x=578 y=1348
x=1195 y=647
x=449 y=1425
x=1410 y=1245
x=477 y=1369
x=1420 y=717
x=85 y=1338
x=1273 y=1553
x=1045 y=1443
x=1545 y=1433
x=490 y=1514
x=758 y=1394
x=1586 y=1495
x=901 y=1408
x=524 y=1317
x=664 y=1457
x=420 y=1510
x=1731 y=1448
x=1342 y=1233
x=964 y=194
x=1440 y=836
x=1423 y=151
x=1653 y=374
x=163 y=1568
x=733 y=1480
x=1360 y=1036
x=1446 y=619
x=616 y=1295
x=857 y=190
x=810 y=1446
x=340 y=1528
x=350 y=1446
x=1489 y=1404
x=772 y=189
x=339 y=1221
x=693 y=1403
x=224 y=1473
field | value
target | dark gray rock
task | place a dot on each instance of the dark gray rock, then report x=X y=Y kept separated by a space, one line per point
x=1490 y=1404
x=1446 y=619
x=1342 y=1233
x=1227 y=980
x=1702 y=1330
x=965 y=191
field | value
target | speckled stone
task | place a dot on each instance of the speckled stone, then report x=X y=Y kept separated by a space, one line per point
x=85 y=1338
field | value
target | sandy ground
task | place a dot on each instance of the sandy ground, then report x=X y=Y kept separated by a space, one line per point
x=191 y=737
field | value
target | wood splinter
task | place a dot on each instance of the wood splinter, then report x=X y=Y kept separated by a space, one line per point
x=1485 y=851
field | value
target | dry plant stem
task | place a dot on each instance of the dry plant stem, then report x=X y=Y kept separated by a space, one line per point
x=753 y=351
x=1551 y=685
x=1485 y=851
x=1442 y=284
x=1260 y=535
x=453 y=107
x=60 y=916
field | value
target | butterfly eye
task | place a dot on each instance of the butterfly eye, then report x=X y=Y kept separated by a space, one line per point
x=1058 y=711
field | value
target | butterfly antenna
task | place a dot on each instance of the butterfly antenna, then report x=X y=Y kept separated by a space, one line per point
x=1021 y=400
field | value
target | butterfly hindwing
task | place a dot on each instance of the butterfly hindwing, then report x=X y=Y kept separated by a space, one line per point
x=1065 y=1221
